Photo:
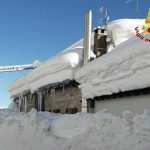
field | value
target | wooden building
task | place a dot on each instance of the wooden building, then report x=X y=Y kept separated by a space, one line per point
x=64 y=97
x=53 y=96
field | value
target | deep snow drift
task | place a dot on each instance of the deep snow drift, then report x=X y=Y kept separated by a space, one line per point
x=100 y=131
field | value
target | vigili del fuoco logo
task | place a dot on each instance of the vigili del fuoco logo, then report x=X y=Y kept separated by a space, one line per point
x=145 y=28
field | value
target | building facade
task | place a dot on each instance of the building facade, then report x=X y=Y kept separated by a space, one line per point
x=134 y=100
x=62 y=98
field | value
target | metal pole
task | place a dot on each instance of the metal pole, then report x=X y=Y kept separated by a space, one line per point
x=25 y=103
x=137 y=8
x=87 y=37
x=86 y=47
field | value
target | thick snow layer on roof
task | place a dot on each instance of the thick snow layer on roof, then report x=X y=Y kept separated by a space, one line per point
x=64 y=65
x=18 y=85
x=56 y=69
x=125 y=68
x=48 y=131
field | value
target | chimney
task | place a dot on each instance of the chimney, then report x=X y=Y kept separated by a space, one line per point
x=100 y=43
x=87 y=37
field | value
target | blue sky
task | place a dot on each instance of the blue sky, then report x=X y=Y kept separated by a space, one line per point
x=39 y=29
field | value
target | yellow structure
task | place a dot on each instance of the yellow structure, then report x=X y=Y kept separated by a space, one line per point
x=146 y=27
x=147 y=21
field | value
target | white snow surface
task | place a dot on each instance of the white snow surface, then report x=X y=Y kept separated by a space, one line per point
x=123 y=69
x=64 y=65
x=56 y=69
x=48 y=131
x=124 y=29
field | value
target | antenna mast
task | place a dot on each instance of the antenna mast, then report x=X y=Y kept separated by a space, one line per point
x=104 y=20
x=137 y=6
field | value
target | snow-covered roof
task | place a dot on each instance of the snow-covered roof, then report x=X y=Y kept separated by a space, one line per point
x=64 y=65
x=125 y=68
x=124 y=29
x=56 y=69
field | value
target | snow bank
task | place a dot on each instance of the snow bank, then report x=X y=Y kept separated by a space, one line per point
x=103 y=130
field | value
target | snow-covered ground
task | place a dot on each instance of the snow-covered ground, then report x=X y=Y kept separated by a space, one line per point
x=100 y=131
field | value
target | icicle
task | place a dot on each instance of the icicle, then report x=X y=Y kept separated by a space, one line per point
x=52 y=98
x=63 y=88
x=53 y=94
x=25 y=103
x=20 y=102
x=39 y=101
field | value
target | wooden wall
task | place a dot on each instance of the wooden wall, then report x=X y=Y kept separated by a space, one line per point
x=63 y=99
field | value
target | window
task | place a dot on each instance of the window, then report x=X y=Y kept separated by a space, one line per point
x=56 y=110
x=71 y=110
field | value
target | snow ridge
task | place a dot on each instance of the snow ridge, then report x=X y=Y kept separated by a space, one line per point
x=103 y=130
